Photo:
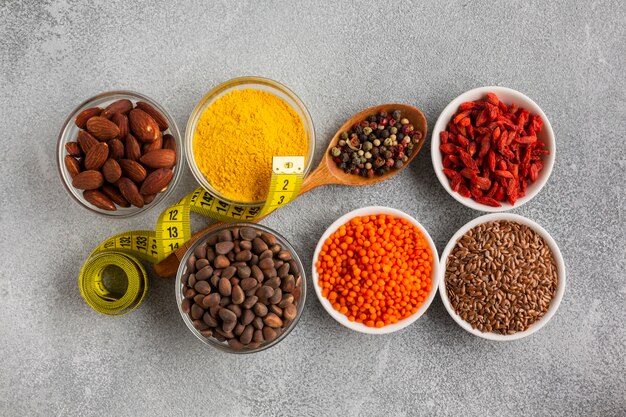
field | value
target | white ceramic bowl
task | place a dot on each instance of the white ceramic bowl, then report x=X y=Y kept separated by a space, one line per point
x=558 y=258
x=507 y=96
x=360 y=327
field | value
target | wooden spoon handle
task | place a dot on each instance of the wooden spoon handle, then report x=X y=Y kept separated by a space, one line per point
x=320 y=176
x=168 y=266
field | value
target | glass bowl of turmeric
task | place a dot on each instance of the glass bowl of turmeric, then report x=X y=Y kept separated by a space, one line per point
x=235 y=131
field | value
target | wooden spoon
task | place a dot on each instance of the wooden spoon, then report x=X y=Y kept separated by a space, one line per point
x=327 y=172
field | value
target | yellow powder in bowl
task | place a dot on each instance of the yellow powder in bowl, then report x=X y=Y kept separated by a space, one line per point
x=236 y=138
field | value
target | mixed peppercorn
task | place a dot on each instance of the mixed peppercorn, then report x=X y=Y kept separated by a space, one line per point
x=376 y=145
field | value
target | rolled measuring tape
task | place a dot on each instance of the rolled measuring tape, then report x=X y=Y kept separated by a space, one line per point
x=113 y=280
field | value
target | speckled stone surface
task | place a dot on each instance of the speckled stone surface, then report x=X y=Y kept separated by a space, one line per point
x=58 y=358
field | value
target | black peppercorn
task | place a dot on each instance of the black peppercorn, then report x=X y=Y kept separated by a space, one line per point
x=384 y=134
x=396 y=114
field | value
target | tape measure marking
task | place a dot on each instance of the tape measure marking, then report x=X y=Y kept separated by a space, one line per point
x=172 y=230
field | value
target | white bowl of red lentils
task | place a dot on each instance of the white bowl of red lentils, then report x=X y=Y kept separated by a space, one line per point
x=502 y=277
x=493 y=149
x=375 y=270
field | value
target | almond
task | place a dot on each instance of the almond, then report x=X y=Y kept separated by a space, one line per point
x=131 y=148
x=116 y=149
x=88 y=180
x=143 y=125
x=161 y=158
x=72 y=148
x=156 y=115
x=148 y=198
x=133 y=170
x=111 y=170
x=102 y=129
x=115 y=195
x=100 y=200
x=149 y=147
x=121 y=122
x=83 y=116
x=119 y=106
x=72 y=165
x=169 y=142
x=157 y=181
x=86 y=141
x=130 y=192
x=96 y=156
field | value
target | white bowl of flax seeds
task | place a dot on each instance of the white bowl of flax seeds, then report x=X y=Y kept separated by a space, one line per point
x=502 y=277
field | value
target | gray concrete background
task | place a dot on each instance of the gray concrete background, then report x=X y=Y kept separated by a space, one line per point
x=57 y=357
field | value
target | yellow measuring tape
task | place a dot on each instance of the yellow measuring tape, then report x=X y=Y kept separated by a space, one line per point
x=114 y=282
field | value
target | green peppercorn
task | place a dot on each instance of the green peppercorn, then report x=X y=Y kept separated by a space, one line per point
x=367 y=146
x=404 y=121
x=368 y=166
x=392 y=137
x=344 y=136
x=367 y=155
x=367 y=130
x=393 y=130
x=376 y=142
x=335 y=151
x=380 y=127
x=388 y=142
x=360 y=152
x=405 y=158
x=341 y=142
x=399 y=164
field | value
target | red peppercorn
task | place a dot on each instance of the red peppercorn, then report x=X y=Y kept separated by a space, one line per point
x=390 y=162
x=370 y=173
x=374 y=125
x=407 y=128
x=392 y=122
x=384 y=122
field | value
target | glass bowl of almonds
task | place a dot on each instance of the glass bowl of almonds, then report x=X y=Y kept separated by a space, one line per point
x=502 y=277
x=240 y=288
x=119 y=153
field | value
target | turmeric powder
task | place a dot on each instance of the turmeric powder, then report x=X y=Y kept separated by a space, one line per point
x=236 y=138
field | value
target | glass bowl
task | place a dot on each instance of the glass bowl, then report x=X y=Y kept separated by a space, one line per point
x=256 y=83
x=211 y=341
x=69 y=131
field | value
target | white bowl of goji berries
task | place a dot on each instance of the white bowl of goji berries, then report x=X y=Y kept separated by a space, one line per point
x=493 y=149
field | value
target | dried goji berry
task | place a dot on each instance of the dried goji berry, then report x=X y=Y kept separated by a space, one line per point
x=503 y=173
x=456 y=181
x=448 y=148
x=443 y=137
x=464 y=191
x=488 y=201
x=482 y=182
x=467 y=160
